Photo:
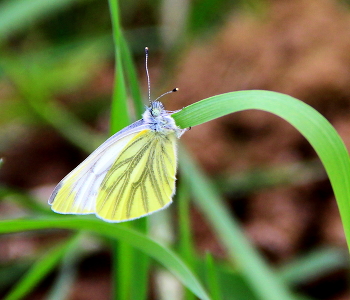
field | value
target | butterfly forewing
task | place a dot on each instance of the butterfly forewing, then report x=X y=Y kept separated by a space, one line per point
x=141 y=180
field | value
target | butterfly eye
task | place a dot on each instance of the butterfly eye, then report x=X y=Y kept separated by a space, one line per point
x=155 y=112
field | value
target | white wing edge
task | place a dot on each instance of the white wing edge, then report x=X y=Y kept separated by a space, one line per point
x=95 y=173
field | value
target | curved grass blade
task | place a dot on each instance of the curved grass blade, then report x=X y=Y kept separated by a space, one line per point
x=158 y=252
x=311 y=124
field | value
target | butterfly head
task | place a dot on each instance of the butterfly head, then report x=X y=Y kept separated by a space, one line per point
x=156 y=108
x=156 y=116
x=159 y=119
x=155 y=113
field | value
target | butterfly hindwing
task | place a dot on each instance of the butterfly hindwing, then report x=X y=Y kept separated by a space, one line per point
x=141 y=180
x=77 y=192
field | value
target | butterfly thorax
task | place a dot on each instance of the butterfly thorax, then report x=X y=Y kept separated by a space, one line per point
x=160 y=120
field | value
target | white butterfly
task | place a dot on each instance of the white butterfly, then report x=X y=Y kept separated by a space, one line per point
x=130 y=175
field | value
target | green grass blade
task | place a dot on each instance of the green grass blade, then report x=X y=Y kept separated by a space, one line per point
x=261 y=278
x=140 y=276
x=68 y=271
x=39 y=270
x=119 y=111
x=251 y=181
x=212 y=278
x=311 y=124
x=25 y=200
x=158 y=252
x=185 y=238
x=123 y=260
x=67 y=124
x=41 y=103
x=186 y=247
x=314 y=265
x=131 y=75
x=123 y=254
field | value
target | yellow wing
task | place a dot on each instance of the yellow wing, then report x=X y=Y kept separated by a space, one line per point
x=141 y=180
x=77 y=192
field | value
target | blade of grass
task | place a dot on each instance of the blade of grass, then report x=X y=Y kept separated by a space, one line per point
x=155 y=250
x=24 y=200
x=39 y=100
x=138 y=274
x=132 y=78
x=67 y=273
x=123 y=253
x=212 y=278
x=185 y=238
x=311 y=124
x=313 y=265
x=119 y=111
x=140 y=268
x=317 y=131
x=261 y=278
x=123 y=260
x=39 y=270
x=295 y=174
x=67 y=124
x=232 y=283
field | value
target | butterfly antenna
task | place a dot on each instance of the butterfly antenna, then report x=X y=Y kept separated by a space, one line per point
x=172 y=91
x=148 y=80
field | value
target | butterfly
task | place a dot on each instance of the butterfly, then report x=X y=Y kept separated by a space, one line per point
x=131 y=175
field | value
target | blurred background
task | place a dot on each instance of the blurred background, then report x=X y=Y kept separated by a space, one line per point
x=56 y=82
